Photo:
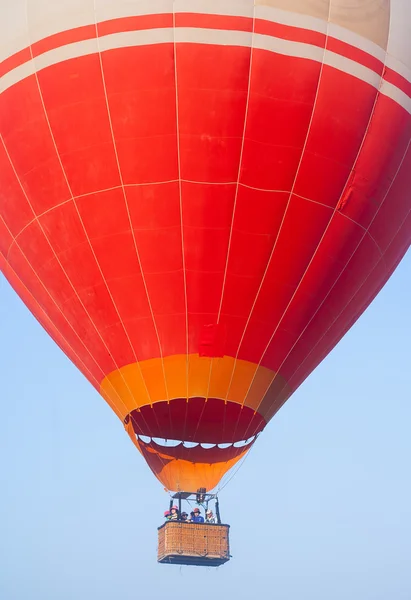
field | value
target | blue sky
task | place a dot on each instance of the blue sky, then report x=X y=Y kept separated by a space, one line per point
x=320 y=509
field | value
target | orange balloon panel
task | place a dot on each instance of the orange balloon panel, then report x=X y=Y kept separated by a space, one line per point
x=197 y=200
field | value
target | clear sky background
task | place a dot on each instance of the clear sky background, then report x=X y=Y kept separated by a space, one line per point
x=321 y=508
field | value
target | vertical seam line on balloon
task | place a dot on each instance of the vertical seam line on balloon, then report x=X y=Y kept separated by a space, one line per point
x=362 y=284
x=52 y=249
x=237 y=183
x=181 y=215
x=335 y=211
x=284 y=215
x=349 y=302
x=92 y=250
x=203 y=409
x=233 y=219
x=138 y=366
x=130 y=223
x=42 y=229
x=48 y=320
x=195 y=432
x=381 y=259
x=129 y=220
x=51 y=297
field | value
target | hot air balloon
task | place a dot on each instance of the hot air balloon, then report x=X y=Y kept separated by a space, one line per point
x=199 y=199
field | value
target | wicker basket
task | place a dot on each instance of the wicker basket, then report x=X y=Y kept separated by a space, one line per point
x=199 y=544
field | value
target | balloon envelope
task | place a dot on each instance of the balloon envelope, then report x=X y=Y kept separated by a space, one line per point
x=198 y=199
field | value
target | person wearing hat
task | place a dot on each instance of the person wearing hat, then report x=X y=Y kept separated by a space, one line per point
x=184 y=517
x=174 y=514
x=210 y=518
x=197 y=516
x=167 y=515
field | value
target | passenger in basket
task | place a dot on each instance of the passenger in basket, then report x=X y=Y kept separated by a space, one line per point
x=197 y=516
x=184 y=517
x=174 y=514
x=210 y=518
x=167 y=515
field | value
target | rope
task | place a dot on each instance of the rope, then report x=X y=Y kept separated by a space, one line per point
x=240 y=464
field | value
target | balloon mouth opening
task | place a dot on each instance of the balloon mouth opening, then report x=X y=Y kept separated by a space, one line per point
x=167 y=443
x=205 y=424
